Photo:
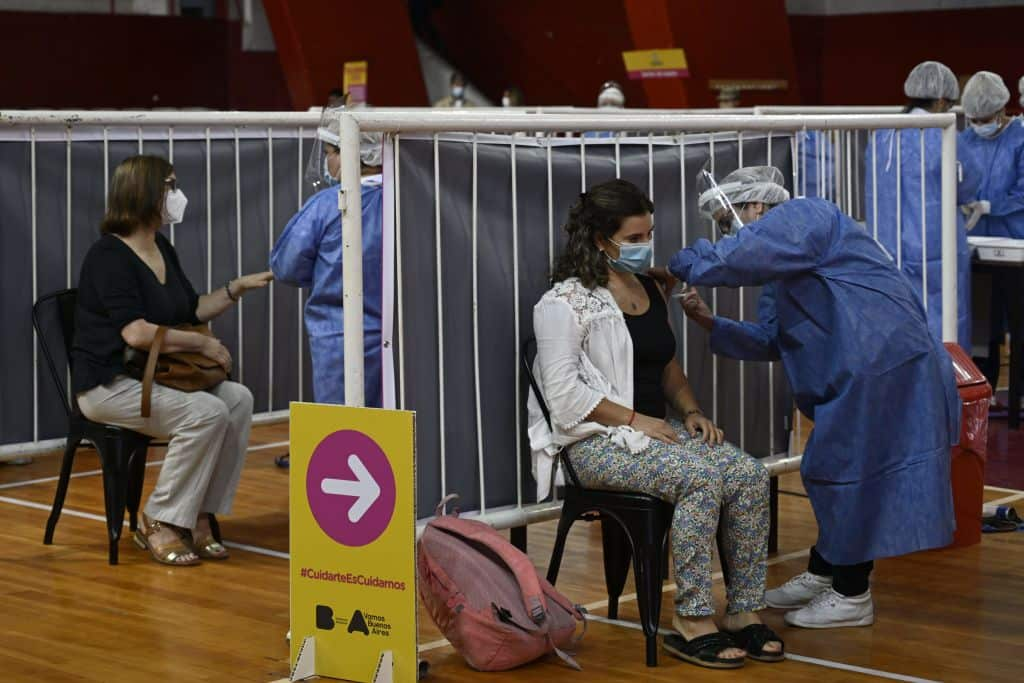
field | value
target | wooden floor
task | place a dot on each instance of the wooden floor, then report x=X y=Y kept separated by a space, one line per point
x=66 y=615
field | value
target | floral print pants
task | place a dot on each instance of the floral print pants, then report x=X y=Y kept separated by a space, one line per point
x=700 y=480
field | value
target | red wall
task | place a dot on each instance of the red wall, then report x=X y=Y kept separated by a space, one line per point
x=864 y=59
x=103 y=61
x=316 y=37
x=561 y=52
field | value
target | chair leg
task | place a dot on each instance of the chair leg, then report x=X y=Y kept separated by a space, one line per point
x=647 y=567
x=565 y=522
x=136 y=479
x=617 y=554
x=62 y=487
x=115 y=465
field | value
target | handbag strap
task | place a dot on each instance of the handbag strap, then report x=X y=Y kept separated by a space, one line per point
x=147 y=377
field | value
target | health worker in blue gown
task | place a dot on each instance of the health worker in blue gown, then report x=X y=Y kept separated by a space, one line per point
x=308 y=254
x=997 y=209
x=893 y=194
x=854 y=342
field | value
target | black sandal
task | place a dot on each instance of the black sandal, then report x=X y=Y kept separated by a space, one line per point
x=704 y=650
x=753 y=638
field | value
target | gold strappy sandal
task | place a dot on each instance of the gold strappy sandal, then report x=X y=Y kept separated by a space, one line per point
x=208 y=547
x=173 y=554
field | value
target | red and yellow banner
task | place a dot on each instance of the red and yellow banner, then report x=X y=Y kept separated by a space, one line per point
x=666 y=63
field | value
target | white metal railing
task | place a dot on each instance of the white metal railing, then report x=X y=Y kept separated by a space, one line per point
x=686 y=125
x=437 y=122
x=147 y=129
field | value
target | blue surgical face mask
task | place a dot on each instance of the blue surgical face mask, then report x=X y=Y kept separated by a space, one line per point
x=986 y=130
x=633 y=258
x=328 y=178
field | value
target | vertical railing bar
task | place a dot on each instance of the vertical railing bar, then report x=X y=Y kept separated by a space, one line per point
x=209 y=216
x=874 y=181
x=899 y=198
x=515 y=309
x=743 y=365
x=924 y=229
x=440 y=313
x=398 y=274
x=682 y=232
x=270 y=247
x=551 y=216
x=238 y=256
x=298 y=294
x=476 y=334
x=35 y=286
x=714 y=298
x=170 y=159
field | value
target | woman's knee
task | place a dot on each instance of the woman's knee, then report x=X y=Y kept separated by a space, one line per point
x=702 y=475
x=208 y=411
x=746 y=472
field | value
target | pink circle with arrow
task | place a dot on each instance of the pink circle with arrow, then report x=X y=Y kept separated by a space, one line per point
x=350 y=488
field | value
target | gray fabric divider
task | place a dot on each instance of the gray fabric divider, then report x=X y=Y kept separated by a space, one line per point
x=87 y=197
x=499 y=354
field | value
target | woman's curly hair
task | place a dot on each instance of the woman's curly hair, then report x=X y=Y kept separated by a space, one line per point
x=600 y=211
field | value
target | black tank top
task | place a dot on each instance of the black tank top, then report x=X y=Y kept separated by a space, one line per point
x=654 y=346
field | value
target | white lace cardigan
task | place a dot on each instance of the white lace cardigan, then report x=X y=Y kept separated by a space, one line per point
x=584 y=354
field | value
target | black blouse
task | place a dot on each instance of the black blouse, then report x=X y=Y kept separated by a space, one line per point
x=654 y=346
x=115 y=288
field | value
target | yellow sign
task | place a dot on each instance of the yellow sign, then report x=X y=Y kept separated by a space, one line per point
x=352 y=540
x=668 y=63
x=355 y=81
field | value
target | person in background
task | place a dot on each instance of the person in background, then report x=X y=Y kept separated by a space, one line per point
x=130 y=284
x=930 y=88
x=1020 y=90
x=854 y=341
x=309 y=253
x=512 y=97
x=456 y=96
x=337 y=98
x=607 y=370
x=611 y=96
x=997 y=209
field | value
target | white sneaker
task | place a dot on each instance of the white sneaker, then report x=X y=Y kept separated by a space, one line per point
x=830 y=609
x=798 y=591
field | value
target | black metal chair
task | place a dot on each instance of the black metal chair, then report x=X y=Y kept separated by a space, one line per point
x=633 y=526
x=122 y=452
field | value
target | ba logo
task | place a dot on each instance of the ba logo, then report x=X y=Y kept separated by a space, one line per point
x=358 y=623
x=324 y=617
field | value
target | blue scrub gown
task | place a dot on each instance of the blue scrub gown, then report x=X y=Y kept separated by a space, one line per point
x=308 y=254
x=854 y=342
x=881 y=156
x=1001 y=161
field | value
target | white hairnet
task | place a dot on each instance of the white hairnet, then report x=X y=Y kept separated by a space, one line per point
x=1020 y=89
x=931 y=81
x=611 y=95
x=370 y=149
x=984 y=95
x=750 y=184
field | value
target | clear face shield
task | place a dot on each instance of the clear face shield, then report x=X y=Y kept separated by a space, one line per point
x=325 y=144
x=714 y=204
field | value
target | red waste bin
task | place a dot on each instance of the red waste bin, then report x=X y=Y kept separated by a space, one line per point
x=968 y=457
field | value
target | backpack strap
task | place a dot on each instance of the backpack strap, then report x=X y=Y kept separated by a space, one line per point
x=514 y=559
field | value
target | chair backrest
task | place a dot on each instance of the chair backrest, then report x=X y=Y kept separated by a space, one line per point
x=57 y=309
x=526 y=357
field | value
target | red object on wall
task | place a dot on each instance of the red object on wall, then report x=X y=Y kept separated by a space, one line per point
x=968 y=457
x=863 y=59
x=316 y=37
x=100 y=61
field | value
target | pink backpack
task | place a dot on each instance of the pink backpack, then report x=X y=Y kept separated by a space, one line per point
x=487 y=598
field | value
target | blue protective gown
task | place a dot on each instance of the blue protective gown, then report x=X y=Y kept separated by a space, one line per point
x=1001 y=161
x=862 y=364
x=308 y=254
x=881 y=156
x=817 y=173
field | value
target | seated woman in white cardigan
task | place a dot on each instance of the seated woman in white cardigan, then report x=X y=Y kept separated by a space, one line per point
x=606 y=367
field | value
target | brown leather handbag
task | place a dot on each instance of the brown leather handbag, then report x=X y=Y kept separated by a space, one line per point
x=181 y=370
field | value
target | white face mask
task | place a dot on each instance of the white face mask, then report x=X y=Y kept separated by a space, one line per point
x=986 y=130
x=174 y=207
x=458 y=91
x=506 y=101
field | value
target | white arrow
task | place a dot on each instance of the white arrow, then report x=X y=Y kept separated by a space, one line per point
x=364 y=488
